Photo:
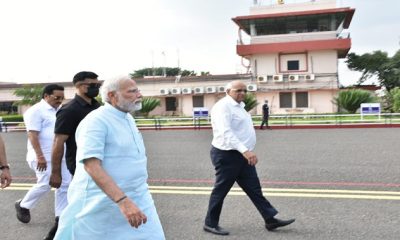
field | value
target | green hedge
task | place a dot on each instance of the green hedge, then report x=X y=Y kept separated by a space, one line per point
x=12 y=118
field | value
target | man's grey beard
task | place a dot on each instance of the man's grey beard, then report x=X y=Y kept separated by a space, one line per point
x=128 y=106
x=138 y=106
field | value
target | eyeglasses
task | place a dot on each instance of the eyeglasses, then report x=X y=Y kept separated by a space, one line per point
x=135 y=90
x=57 y=97
x=91 y=85
x=240 y=90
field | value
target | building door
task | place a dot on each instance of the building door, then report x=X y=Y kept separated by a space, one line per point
x=170 y=104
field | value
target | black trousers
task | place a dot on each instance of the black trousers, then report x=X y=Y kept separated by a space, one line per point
x=231 y=167
x=264 y=121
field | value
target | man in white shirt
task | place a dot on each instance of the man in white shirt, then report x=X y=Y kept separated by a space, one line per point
x=232 y=155
x=39 y=121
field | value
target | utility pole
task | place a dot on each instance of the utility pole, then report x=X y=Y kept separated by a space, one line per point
x=164 y=70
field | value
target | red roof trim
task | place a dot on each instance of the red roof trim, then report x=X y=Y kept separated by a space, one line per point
x=342 y=45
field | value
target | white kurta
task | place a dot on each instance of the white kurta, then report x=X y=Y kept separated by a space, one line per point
x=111 y=136
x=41 y=117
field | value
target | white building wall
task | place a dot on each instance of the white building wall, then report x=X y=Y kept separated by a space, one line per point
x=323 y=61
x=266 y=64
x=322 y=100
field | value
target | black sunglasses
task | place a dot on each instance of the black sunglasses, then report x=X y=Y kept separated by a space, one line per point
x=57 y=97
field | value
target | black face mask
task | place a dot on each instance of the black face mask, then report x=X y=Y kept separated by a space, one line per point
x=92 y=90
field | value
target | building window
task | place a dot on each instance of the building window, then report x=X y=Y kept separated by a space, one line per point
x=293 y=65
x=302 y=99
x=198 y=101
x=285 y=100
x=170 y=104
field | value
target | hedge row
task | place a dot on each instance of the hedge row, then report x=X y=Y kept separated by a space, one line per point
x=12 y=118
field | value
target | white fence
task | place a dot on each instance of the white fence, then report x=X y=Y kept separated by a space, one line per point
x=287 y=120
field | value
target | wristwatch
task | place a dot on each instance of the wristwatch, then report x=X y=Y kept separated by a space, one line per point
x=5 y=166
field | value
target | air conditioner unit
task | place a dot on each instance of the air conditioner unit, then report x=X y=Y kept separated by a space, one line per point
x=164 y=91
x=293 y=78
x=221 y=89
x=176 y=91
x=211 y=89
x=186 y=90
x=310 y=77
x=252 y=87
x=277 y=78
x=198 y=90
x=262 y=79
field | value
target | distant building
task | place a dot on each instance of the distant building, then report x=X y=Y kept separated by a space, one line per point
x=293 y=53
x=292 y=50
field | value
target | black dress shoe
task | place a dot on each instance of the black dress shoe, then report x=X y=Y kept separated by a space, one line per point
x=52 y=232
x=274 y=223
x=23 y=214
x=215 y=230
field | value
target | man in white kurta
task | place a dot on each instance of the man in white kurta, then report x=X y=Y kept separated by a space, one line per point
x=39 y=121
x=109 y=196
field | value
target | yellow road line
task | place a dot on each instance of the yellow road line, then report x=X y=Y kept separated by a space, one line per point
x=275 y=192
x=281 y=190
x=269 y=194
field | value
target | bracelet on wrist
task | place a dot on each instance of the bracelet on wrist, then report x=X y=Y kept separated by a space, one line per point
x=120 y=200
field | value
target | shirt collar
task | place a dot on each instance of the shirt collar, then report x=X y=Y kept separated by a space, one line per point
x=47 y=105
x=233 y=102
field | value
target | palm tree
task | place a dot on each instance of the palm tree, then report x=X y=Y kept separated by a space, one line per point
x=149 y=104
x=250 y=102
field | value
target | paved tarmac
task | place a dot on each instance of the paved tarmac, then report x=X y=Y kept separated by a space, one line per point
x=337 y=183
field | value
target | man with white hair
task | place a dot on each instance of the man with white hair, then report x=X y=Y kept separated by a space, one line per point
x=109 y=196
x=233 y=158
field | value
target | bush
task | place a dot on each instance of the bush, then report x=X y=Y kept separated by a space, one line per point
x=395 y=93
x=149 y=104
x=350 y=100
x=250 y=102
x=12 y=118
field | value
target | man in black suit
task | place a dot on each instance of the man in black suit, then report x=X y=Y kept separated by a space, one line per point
x=265 y=109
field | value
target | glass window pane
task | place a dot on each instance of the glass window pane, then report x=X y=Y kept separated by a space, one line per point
x=170 y=103
x=293 y=65
x=285 y=100
x=198 y=101
x=302 y=99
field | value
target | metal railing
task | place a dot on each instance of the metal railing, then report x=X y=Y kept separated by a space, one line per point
x=284 y=120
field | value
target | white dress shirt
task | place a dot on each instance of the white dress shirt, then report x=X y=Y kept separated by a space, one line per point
x=232 y=126
x=41 y=117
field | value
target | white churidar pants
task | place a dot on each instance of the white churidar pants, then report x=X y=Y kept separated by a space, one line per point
x=42 y=187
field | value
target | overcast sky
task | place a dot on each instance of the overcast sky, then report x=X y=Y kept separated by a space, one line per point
x=51 y=40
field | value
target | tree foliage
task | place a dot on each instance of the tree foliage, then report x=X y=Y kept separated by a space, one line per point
x=378 y=64
x=159 y=71
x=30 y=94
x=148 y=105
x=250 y=102
x=350 y=100
x=394 y=99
